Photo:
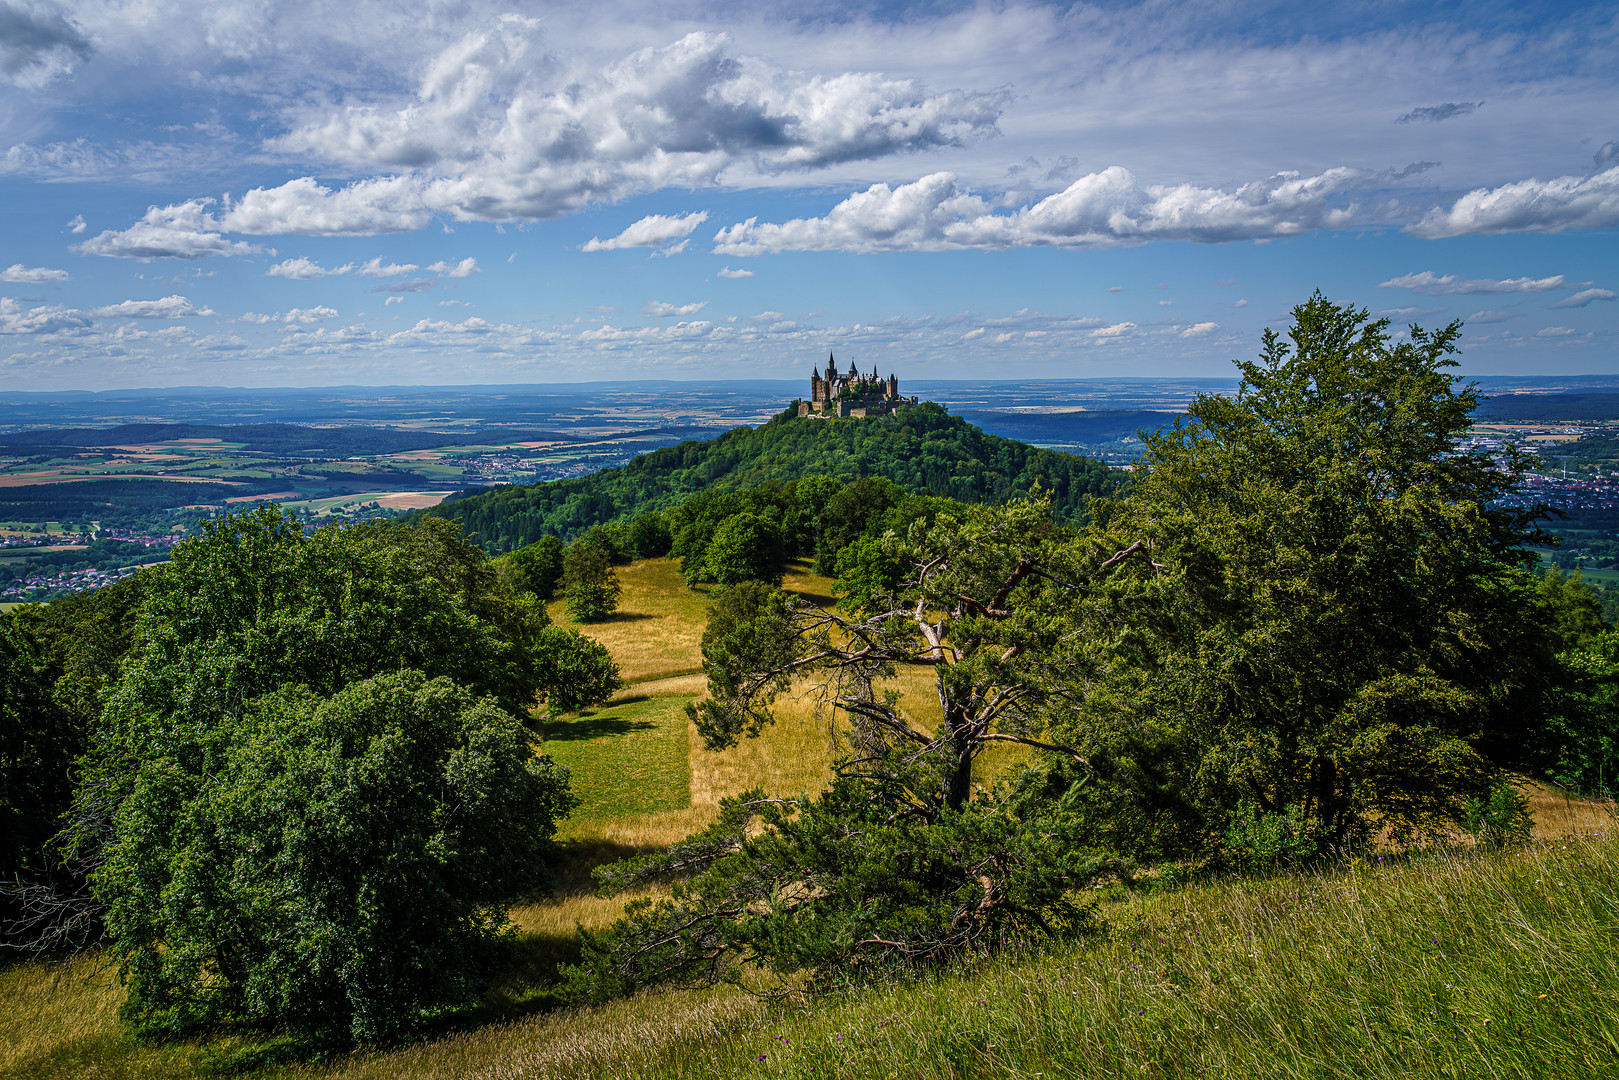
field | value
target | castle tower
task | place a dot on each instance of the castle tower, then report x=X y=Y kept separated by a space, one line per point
x=893 y=386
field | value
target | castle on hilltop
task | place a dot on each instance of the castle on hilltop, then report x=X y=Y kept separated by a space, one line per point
x=851 y=394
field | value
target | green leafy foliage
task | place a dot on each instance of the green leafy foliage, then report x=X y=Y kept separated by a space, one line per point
x=745 y=547
x=1502 y=818
x=920 y=448
x=1339 y=630
x=38 y=741
x=310 y=784
x=649 y=536
x=1578 y=746
x=850 y=513
x=340 y=867
x=589 y=585
x=538 y=566
x=575 y=670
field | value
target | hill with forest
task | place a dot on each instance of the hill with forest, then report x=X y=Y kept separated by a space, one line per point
x=921 y=448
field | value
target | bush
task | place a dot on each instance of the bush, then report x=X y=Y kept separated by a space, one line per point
x=1257 y=841
x=1503 y=819
x=578 y=670
x=343 y=868
x=837 y=891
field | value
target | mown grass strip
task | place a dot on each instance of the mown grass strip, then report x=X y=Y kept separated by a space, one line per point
x=628 y=758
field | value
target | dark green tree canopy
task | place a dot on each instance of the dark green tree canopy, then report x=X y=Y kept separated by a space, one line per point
x=589 y=584
x=343 y=866
x=1343 y=634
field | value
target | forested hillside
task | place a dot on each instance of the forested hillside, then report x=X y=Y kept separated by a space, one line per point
x=923 y=449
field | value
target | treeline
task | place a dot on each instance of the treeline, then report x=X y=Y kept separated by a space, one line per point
x=921 y=449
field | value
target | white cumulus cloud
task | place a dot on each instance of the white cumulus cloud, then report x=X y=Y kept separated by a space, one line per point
x=1563 y=202
x=31 y=275
x=653 y=231
x=303 y=269
x=387 y=204
x=1105 y=209
x=465 y=268
x=186 y=231
x=497 y=130
x=727 y=272
x=376 y=268
x=1584 y=297
x=1199 y=329
x=45 y=319
x=296 y=315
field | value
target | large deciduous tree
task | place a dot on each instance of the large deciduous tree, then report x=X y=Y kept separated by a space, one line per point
x=1350 y=636
x=428 y=665
x=342 y=866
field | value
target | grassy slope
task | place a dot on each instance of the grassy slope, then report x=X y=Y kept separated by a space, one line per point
x=1307 y=975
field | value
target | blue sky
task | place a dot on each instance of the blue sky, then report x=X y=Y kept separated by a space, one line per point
x=238 y=193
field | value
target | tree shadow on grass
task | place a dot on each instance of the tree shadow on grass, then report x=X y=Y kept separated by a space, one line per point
x=591 y=727
x=625 y=616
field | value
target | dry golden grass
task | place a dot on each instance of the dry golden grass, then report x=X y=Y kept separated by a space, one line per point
x=658 y=629
x=1561 y=816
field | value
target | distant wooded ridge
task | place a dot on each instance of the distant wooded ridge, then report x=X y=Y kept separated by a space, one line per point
x=1592 y=406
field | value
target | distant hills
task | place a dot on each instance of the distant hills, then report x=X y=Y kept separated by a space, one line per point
x=295 y=439
x=1531 y=407
x=921 y=448
x=1076 y=428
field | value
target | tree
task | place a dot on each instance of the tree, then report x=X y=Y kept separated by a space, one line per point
x=745 y=547
x=1578 y=747
x=343 y=866
x=649 y=535
x=848 y=513
x=576 y=671
x=538 y=565
x=589 y=584
x=989 y=598
x=250 y=608
x=38 y=741
x=1346 y=634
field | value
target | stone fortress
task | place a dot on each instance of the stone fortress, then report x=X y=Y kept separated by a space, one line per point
x=851 y=394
